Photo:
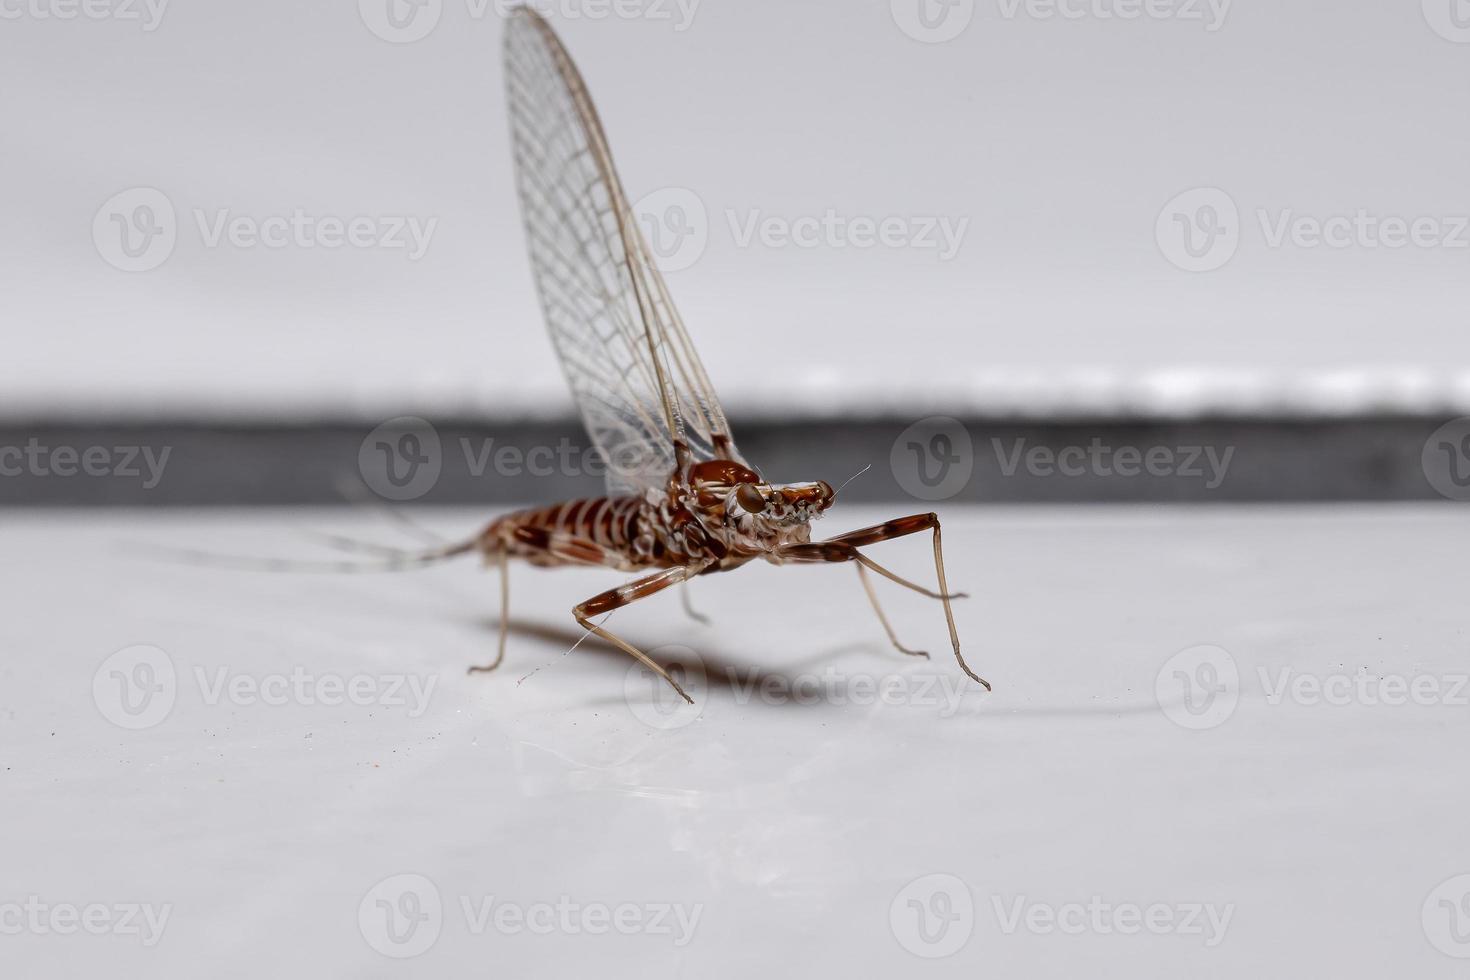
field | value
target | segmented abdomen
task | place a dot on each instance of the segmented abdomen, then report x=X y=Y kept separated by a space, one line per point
x=560 y=534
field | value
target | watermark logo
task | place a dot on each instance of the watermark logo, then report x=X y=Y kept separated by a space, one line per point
x=933 y=916
x=943 y=692
x=654 y=702
x=1210 y=13
x=675 y=225
x=1446 y=917
x=1198 y=688
x=401 y=916
x=135 y=688
x=678 y=228
x=407 y=21
x=632 y=460
x=570 y=917
x=411 y=692
x=401 y=21
x=1206 y=920
x=142 y=463
x=143 y=921
x=1199 y=230
x=404 y=915
x=678 y=13
x=1450 y=19
x=147 y=13
x=1446 y=459
x=401 y=459
x=941 y=234
x=1363 y=229
x=136 y=229
x=1098 y=459
x=933 y=459
x=932 y=21
x=302 y=230
x=1362 y=689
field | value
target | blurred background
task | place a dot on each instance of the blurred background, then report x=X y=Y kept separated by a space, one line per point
x=1008 y=250
x=1154 y=254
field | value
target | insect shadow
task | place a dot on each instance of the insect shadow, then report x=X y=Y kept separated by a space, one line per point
x=723 y=671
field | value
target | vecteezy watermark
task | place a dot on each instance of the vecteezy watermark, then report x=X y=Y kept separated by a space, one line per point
x=933 y=459
x=148 y=14
x=1201 y=687
x=943 y=692
x=401 y=459
x=1098 y=459
x=1446 y=917
x=653 y=701
x=1286 y=685
x=933 y=916
x=143 y=921
x=406 y=21
x=403 y=916
x=1209 y=13
x=565 y=458
x=1362 y=229
x=404 y=458
x=135 y=687
x=932 y=21
x=675 y=224
x=300 y=229
x=1201 y=230
x=570 y=917
x=136 y=230
x=1446 y=459
x=144 y=463
x=401 y=21
x=411 y=692
x=138 y=686
x=1198 y=688
x=1206 y=920
x=1450 y=19
x=941 y=234
x=677 y=227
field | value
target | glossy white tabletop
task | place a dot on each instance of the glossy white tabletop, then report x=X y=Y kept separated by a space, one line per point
x=1222 y=743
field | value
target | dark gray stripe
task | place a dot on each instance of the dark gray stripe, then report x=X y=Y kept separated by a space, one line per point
x=1357 y=459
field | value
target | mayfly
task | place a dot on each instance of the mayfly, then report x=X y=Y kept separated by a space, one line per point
x=681 y=500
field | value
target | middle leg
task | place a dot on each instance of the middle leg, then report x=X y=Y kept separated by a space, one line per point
x=626 y=594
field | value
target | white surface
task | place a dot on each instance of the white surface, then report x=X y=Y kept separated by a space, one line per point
x=795 y=827
x=1059 y=140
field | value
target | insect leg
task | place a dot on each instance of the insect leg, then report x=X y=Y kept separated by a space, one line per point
x=887 y=627
x=503 y=564
x=624 y=595
x=844 y=548
x=689 y=609
x=532 y=542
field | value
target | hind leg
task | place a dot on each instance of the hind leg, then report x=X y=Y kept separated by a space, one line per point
x=503 y=561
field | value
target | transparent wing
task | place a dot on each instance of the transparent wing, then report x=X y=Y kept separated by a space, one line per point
x=627 y=357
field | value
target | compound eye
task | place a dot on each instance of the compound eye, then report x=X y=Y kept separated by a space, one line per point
x=748 y=496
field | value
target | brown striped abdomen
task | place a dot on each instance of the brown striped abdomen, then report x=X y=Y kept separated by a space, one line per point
x=596 y=531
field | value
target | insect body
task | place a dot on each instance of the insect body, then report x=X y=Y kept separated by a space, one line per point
x=682 y=501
